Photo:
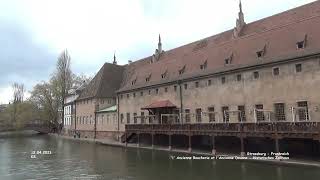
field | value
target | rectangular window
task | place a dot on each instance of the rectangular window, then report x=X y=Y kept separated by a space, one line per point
x=223 y=80
x=276 y=71
x=300 y=45
x=128 y=95
x=141 y=93
x=134 y=118
x=187 y=115
x=175 y=88
x=149 y=92
x=239 y=77
x=209 y=82
x=298 y=68
x=121 y=118
x=212 y=117
x=259 y=114
x=128 y=118
x=242 y=114
x=225 y=113
x=185 y=86
x=197 y=84
x=198 y=115
x=259 y=54
x=121 y=96
x=142 y=118
x=165 y=89
x=157 y=91
x=134 y=95
x=279 y=112
x=227 y=61
x=303 y=113
x=256 y=75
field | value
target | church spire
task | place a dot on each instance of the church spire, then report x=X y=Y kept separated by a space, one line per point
x=241 y=16
x=114 y=58
x=240 y=22
x=159 y=45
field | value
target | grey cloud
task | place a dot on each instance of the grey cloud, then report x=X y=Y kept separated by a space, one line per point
x=21 y=58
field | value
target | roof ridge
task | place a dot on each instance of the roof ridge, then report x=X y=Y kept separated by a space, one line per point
x=100 y=80
x=251 y=34
x=268 y=30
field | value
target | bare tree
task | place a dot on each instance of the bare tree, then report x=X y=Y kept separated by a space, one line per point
x=44 y=95
x=80 y=80
x=63 y=79
x=18 y=94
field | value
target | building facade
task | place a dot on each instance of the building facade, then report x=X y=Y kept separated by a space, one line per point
x=262 y=71
x=267 y=71
x=98 y=95
x=70 y=111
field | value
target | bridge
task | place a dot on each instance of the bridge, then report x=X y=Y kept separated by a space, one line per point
x=36 y=125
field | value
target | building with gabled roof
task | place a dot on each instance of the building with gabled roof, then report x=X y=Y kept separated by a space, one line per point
x=100 y=93
x=265 y=71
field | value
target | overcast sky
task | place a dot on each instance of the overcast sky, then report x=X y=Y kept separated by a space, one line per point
x=34 y=32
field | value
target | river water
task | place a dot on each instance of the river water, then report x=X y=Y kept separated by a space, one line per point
x=69 y=159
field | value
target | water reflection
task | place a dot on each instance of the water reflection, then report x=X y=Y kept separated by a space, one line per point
x=75 y=159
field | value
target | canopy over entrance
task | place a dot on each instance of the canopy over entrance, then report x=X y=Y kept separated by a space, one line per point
x=159 y=104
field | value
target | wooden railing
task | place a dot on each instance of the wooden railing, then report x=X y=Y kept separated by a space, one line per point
x=265 y=127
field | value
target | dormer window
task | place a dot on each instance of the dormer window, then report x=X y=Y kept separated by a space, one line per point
x=181 y=71
x=261 y=52
x=134 y=82
x=203 y=66
x=301 y=44
x=148 y=78
x=228 y=60
x=164 y=75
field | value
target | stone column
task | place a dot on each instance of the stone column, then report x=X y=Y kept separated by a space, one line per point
x=190 y=148
x=125 y=140
x=213 y=141
x=152 y=140
x=242 y=146
x=277 y=147
x=170 y=142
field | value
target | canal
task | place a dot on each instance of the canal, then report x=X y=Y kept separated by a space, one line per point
x=69 y=159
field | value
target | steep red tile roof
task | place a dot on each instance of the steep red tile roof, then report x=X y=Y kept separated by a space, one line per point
x=105 y=83
x=160 y=104
x=278 y=34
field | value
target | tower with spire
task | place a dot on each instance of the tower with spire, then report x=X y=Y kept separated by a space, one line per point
x=114 y=59
x=158 y=51
x=159 y=45
x=240 y=23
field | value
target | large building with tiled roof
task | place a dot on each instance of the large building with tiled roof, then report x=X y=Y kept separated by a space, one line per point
x=267 y=70
x=99 y=94
x=248 y=67
x=263 y=71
